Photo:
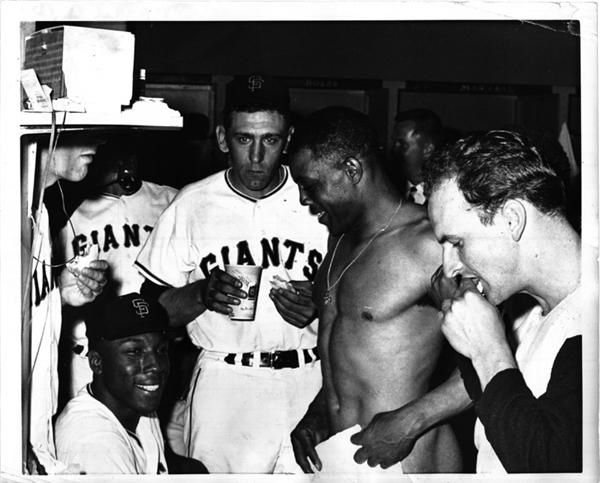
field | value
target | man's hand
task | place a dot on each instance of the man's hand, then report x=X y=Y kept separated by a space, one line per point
x=306 y=435
x=442 y=287
x=296 y=305
x=388 y=438
x=220 y=291
x=475 y=329
x=81 y=286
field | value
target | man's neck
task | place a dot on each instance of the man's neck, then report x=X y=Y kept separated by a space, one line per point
x=128 y=418
x=377 y=211
x=556 y=269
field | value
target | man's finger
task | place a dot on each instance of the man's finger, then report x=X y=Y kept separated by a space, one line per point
x=221 y=308
x=300 y=456
x=312 y=455
x=302 y=286
x=467 y=285
x=357 y=438
x=361 y=456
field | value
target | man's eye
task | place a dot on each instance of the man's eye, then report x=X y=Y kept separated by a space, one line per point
x=271 y=140
x=243 y=139
x=133 y=351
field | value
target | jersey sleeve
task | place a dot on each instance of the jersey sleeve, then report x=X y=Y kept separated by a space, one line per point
x=535 y=435
x=166 y=257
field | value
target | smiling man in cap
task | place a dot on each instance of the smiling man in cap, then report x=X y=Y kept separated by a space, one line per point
x=111 y=425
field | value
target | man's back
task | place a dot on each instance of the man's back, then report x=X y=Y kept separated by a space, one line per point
x=379 y=336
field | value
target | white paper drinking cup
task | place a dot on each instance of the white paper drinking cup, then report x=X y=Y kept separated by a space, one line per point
x=249 y=275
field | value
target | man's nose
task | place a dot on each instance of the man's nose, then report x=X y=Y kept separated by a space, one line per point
x=257 y=152
x=451 y=261
x=152 y=362
x=304 y=199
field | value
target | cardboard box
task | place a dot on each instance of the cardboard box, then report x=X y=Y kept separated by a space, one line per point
x=90 y=66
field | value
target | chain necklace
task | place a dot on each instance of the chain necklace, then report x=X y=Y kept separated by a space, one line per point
x=327 y=297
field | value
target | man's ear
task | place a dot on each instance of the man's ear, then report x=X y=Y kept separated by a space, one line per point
x=221 y=135
x=428 y=149
x=353 y=169
x=515 y=213
x=95 y=362
x=288 y=139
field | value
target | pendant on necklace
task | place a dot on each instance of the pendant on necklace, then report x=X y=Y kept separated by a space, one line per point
x=327 y=298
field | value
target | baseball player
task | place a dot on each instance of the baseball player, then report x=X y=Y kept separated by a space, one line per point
x=254 y=379
x=111 y=425
x=115 y=222
x=77 y=284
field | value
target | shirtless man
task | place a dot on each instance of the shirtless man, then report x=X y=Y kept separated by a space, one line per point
x=379 y=341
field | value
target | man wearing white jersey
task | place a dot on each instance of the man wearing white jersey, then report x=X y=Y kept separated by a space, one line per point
x=111 y=427
x=115 y=222
x=78 y=284
x=254 y=379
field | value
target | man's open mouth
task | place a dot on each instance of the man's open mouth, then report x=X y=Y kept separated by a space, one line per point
x=479 y=287
x=148 y=387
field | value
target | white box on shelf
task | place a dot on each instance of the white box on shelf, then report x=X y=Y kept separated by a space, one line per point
x=90 y=66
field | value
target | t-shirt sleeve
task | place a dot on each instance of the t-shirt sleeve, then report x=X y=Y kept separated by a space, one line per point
x=100 y=452
x=536 y=435
x=166 y=259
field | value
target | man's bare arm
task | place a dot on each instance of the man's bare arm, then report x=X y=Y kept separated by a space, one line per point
x=310 y=431
x=391 y=436
x=184 y=304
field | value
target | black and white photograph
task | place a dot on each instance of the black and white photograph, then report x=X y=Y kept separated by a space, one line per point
x=299 y=241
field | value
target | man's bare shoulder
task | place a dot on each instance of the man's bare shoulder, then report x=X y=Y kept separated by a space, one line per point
x=414 y=236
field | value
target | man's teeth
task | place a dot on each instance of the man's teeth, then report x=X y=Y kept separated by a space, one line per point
x=320 y=215
x=149 y=387
x=479 y=287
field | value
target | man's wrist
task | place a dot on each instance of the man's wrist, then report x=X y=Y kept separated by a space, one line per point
x=487 y=365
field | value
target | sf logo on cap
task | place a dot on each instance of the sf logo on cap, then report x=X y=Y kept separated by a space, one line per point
x=141 y=307
x=255 y=82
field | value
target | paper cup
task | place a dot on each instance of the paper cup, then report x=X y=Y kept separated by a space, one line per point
x=249 y=275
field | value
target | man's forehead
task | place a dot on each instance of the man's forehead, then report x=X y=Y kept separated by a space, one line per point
x=445 y=202
x=146 y=337
x=404 y=127
x=271 y=118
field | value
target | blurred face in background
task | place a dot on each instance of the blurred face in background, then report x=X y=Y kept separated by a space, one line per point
x=409 y=151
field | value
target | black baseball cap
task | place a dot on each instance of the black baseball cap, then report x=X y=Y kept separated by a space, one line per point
x=112 y=318
x=257 y=92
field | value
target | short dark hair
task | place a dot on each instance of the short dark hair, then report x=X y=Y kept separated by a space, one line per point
x=495 y=166
x=336 y=133
x=427 y=124
x=254 y=93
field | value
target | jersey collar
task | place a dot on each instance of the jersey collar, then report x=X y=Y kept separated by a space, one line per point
x=282 y=170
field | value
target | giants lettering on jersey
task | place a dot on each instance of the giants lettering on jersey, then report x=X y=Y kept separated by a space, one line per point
x=128 y=235
x=268 y=256
x=44 y=281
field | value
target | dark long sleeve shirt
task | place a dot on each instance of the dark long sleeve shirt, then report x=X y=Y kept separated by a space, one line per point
x=535 y=435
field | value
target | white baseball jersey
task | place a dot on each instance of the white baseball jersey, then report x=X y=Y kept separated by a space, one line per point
x=90 y=437
x=45 y=334
x=115 y=227
x=118 y=226
x=211 y=223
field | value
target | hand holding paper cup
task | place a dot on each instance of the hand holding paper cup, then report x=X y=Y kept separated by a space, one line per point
x=249 y=275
